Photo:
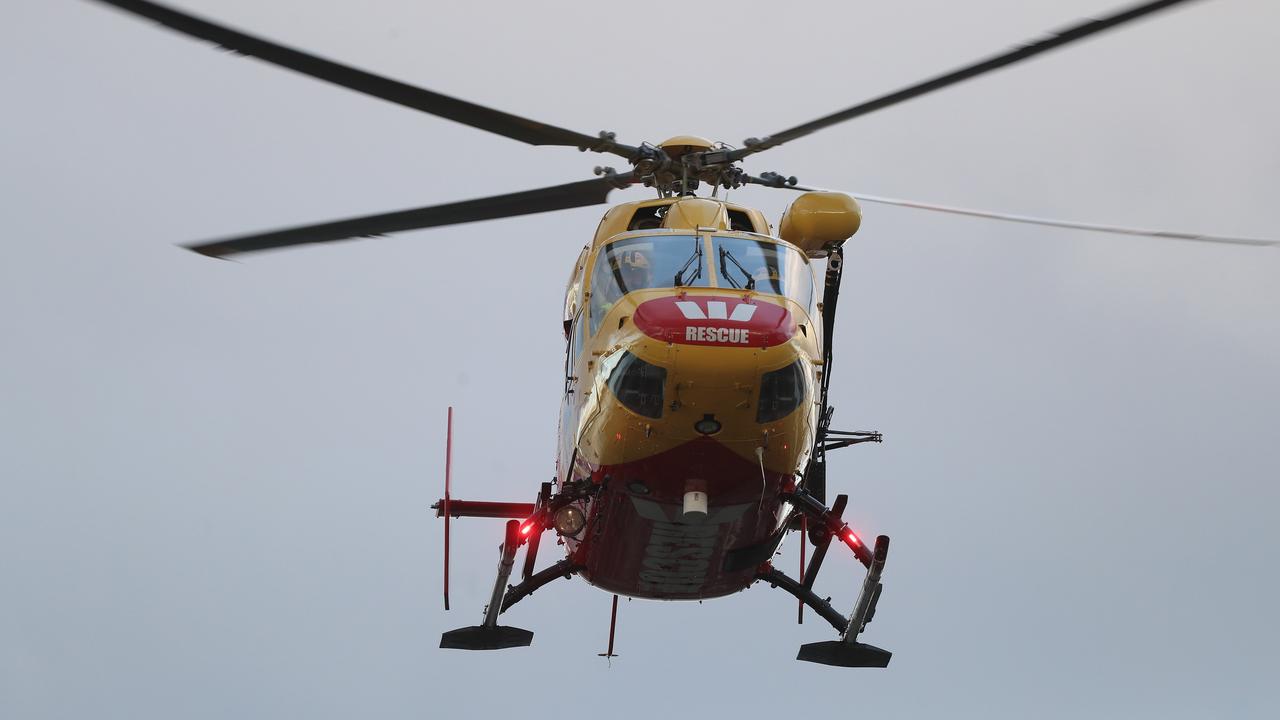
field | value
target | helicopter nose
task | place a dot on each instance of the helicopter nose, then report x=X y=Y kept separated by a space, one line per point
x=728 y=371
x=735 y=396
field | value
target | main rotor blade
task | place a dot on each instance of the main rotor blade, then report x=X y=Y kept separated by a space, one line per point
x=1031 y=220
x=1054 y=40
x=1070 y=224
x=558 y=197
x=467 y=113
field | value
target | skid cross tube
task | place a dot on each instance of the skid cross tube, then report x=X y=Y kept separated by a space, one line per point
x=565 y=569
x=777 y=578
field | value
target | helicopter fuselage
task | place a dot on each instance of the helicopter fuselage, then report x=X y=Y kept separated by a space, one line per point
x=690 y=401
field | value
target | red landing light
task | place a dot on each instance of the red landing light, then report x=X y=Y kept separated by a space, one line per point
x=526 y=528
x=853 y=537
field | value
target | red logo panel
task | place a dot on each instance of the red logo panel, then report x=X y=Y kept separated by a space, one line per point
x=715 y=320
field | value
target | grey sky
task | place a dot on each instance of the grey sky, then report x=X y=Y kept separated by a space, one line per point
x=215 y=477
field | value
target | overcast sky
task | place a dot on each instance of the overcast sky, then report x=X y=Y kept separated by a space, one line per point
x=215 y=477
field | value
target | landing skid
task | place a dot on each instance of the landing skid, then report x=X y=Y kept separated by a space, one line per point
x=489 y=635
x=847 y=651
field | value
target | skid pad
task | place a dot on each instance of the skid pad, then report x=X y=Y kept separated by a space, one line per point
x=844 y=654
x=479 y=637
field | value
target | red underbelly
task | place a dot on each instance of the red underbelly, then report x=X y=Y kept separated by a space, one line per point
x=638 y=541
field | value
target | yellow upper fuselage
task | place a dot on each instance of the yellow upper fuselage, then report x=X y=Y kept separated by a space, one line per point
x=742 y=307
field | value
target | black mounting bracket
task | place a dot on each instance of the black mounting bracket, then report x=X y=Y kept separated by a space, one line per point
x=836 y=439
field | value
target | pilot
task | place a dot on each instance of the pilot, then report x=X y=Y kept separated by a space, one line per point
x=764 y=275
x=766 y=279
x=635 y=272
x=627 y=271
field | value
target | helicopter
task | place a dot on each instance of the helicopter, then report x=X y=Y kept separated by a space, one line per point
x=695 y=422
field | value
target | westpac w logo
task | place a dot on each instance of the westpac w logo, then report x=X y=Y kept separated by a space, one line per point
x=716 y=310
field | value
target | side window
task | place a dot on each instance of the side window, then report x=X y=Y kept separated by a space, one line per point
x=577 y=338
x=607 y=287
x=739 y=220
x=647 y=218
x=573 y=291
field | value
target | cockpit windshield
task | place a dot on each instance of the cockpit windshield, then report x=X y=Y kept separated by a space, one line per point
x=763 y=267
x=670 y=261
x=640 y=263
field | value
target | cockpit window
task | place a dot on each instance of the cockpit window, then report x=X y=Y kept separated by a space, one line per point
x=640 y=263
x=764 y=267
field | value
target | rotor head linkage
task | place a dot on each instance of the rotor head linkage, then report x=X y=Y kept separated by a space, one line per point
x=678 y=165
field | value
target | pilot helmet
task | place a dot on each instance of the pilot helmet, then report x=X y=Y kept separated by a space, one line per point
x=634 y=267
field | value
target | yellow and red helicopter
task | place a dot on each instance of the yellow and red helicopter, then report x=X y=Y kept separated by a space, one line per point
x=695 y=420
